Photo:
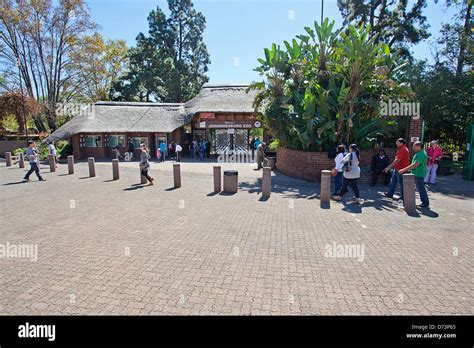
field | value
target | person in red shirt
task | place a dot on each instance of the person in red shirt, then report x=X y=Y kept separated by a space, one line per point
x=402 y=160
x=435 y=154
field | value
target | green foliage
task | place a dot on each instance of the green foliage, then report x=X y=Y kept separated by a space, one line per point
x=273 y=146
x=170 y=64
x=326 y=88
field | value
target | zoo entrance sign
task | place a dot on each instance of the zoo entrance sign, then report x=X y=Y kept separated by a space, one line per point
x=230 y=124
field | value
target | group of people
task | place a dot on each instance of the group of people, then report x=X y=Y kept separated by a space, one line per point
x=200 y=149
x=423 y=166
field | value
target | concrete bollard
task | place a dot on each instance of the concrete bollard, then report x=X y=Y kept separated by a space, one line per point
x=325 y=187
x=177 y=175
x=91 y=162
x=8 y=158
x=217 y=179
x=21 y=160
x=52 y=163
x=70 y=164
x=115 y=169
x=266 y=182
x=409 y=201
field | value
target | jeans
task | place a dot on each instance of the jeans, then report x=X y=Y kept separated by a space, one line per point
x=420 y=187
x=144 y=173
x=353 y=185
x=338 y=182
x=178 y=156
x=34 y=168
x=431 y=173
x=396 y=177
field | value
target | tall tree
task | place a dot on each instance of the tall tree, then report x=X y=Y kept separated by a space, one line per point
x=171 y=63
x=36 y=38
x=97 y=64
x=394 y=22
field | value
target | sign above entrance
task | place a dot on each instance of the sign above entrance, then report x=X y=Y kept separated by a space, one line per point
x=230 y=124
x=206 y=116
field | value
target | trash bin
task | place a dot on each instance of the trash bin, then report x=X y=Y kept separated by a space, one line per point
x=231 y=181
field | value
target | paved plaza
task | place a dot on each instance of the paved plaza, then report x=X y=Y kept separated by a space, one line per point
x=115 y=247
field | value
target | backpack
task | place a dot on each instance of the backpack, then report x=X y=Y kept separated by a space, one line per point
x=347 y=167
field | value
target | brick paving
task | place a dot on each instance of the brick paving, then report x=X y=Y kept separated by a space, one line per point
x=107 y=247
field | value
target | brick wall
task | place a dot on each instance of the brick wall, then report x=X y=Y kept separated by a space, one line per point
x=10 y=145
x=308 y=165
x=415 y=130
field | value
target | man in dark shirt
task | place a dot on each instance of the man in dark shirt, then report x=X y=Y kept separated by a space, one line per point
x=379 y=162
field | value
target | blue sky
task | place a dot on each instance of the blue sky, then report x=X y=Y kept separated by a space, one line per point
x=238 y=30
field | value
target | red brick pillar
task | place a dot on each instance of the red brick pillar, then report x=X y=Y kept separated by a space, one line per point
x=414 y=133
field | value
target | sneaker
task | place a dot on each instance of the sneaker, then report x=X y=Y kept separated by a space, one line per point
x=336 y=198
x=26 y=179
x=387 y=195
x=359 y=201
x=42 y=179
x=150 y=183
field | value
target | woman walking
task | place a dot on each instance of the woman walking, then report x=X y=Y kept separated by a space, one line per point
x=341 y=151
x=351 y=174
x=435 y=155
x=145 y=164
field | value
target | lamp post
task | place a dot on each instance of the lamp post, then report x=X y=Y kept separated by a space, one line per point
x=322 y=11
x=22 y=101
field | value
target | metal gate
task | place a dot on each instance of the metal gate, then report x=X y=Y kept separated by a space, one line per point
x=235 y=142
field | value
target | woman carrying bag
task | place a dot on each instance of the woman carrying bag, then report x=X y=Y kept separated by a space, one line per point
x=351 y=173
x=145 y=164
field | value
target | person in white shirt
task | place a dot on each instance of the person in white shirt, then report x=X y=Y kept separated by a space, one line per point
x=178 y=150
x=351 y=173
x=341 y=151
x=52 y=151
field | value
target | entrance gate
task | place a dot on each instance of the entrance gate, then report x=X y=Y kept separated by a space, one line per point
x=231 y=141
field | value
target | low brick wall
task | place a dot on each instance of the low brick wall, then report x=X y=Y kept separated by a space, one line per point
x=308 y=165
x=10 y=145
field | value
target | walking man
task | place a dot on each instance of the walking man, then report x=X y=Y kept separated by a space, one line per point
x=260 y=155
x=178 y=152
x=162 y=151
x=402 y=160
x=418 y=169
x=33 y=156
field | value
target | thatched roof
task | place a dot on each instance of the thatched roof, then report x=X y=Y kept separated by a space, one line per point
x=222 y=98
x=121 y=117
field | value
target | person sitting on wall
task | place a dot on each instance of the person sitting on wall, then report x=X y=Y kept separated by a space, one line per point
x=261 y=155
x=379 y=162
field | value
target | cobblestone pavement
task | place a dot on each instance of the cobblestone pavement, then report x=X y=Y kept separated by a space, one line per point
x=114 y=247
